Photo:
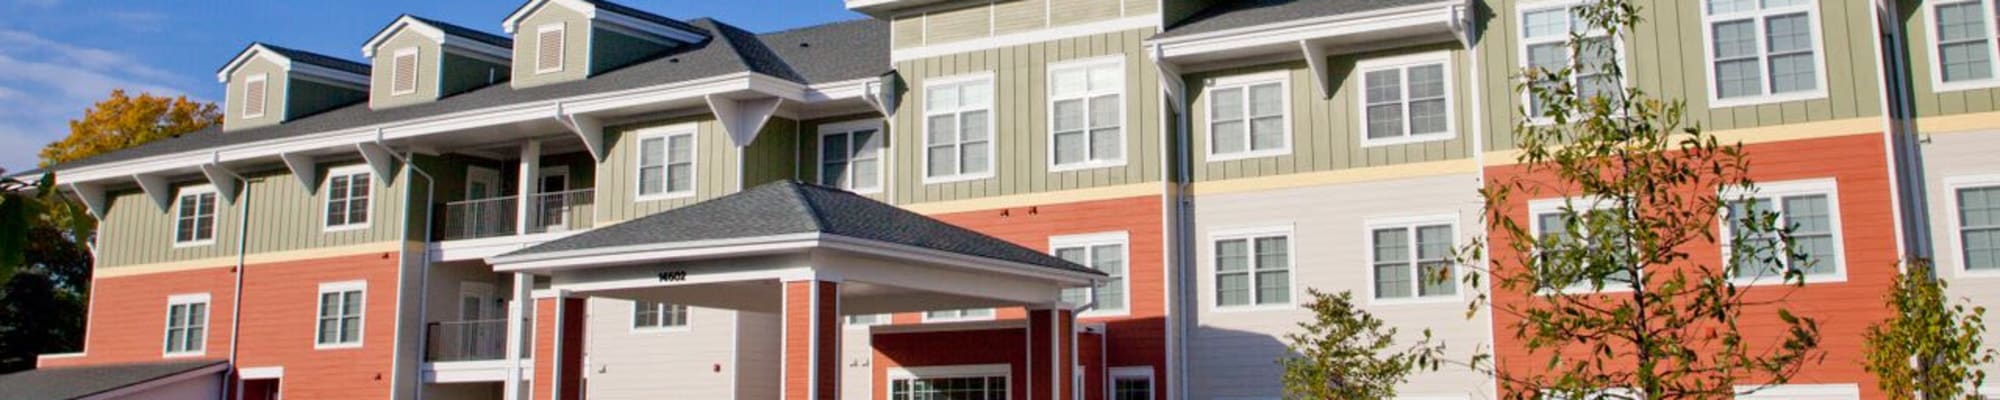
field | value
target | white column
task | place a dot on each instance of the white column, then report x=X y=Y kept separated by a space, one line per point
x=516 y=387
x=531 y=169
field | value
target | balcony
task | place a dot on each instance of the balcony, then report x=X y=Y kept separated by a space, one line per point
x=495 y=217
x=454 y=341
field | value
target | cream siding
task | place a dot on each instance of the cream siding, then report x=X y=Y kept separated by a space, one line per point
x=382 y=67
x=678 y=363
x=275 y=86
x=1930 y=100
x=1952 y=161
x=576 y=46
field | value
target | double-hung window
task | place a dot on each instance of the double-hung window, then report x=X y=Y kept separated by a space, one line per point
x=340 y=308
x=347 y=190
x=958 y=120
x=1406 y=99
x=1762 y=51
x=1979 y=227
x=194 y=216
x=1253 y=268
x=1808 y=209
x=1962 y=40
x=851 y=156
x=1545 y=46
x=187 y=324
x=650 y=315
x=1086 y=99
x=1248 y=116
x=1412 y=258
x=1556 y=223
x=1132 y=383
x=666 y=162
x=1104 y=252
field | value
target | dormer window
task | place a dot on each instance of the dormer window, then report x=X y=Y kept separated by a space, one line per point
x=549 y=48
x=404 y=72
x=254 y=95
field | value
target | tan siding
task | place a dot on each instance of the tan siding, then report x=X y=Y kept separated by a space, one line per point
x=1925 y=94
x=1665 y=57
x=1141 y=7
x=382 y=66
x=1072 y=12
x=275 y=87
x=960 y=24
x=907 y=31
x=1021 y=123
x=809 y=155
x=576 y=46
x=715 y=169
x=1019 y=16
x=644 y=365
x=1326 y=132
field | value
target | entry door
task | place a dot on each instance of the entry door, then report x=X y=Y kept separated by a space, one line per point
x=485 y=217
x=554 y=202
x=479 y=335
x=260 y=389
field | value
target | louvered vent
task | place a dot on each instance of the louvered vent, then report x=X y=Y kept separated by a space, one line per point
x=549 y=49
x=405 y=73
x=253 y=97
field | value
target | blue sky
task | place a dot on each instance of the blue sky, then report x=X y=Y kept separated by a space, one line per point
x=59 y=56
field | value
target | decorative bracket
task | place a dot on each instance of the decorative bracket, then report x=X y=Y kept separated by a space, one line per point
x=1316 y=62
x=304 y=168
x=743 y=118
x=380 y=160
x=224 y=179
x=588 y=128
x=156 y=186
x=92 y=196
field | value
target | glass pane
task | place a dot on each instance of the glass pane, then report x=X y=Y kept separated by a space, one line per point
x=943 y=129
x=1267 y=133
x=975 y=158
x=1073 y=254
x=1427 y=81
x=197 y=315
x=943 y=160
x=972 y=126
x=833 y=147
x=1069 y=81
x=1792 y=73
x=1104 y=144
x=1232 y=255
x=1960 y=21
x=832 y=174
x=650 y=179
x=867 y=144
x=329 y=330
x=652 y=151
x=1232 y=289
x=1076 y=296
x=976 y=95
x=1267 y=100
x=1738 y=78
x=177 y=316
x=329 y=304
x=1736 y=39
x=350 y=303
x=1273 y=287
x=867 y=174
x=1385 y=120
x=1436 y=279
x=1808 y=214
x=1817 y=254
x=1782 y=3
x=1109 y=258
x=1434 y=242
x=1979 y=207
x=1788 y=33
x=1111 y=295
x=336 y=190
x=1982 y=249
x=1392 y=280
x=1391 y=245
x=1384 y=86
x=941 y=98
x=680 y=177
x=194 y=339
x=350 y=329
x=1104 y=111
x=1227 y=137
x=680 y=148
x=1068 y=115
x=1966 y=61
x=175 y=341
x=1106 y=77
x=1225 y=104
x=1545 y=23
x=1428 y=116
x=1730 y=6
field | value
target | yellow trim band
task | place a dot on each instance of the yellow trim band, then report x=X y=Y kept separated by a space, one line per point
x=1768 y=134
x=1354 y=175
x=1959 y=123
x=1028 y=199
x=260 y=258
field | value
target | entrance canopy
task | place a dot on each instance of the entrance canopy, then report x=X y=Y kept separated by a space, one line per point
x=733 y=252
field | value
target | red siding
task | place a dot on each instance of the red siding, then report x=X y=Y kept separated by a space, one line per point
x=1843 y=309
x=918 y=349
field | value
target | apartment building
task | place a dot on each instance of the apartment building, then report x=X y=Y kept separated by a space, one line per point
x=1042 y=199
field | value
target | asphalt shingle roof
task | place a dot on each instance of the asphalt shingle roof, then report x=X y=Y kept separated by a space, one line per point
x=77 y=382
x=468 y=33
x=836 y=52
x=1245 y=13
x=641 y=14
x=791 y=207
x=319 y=59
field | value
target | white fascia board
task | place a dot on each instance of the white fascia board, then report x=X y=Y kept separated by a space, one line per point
x=513 y=20
x=452 y=122
x=630 y=25
x=401 y=23
x=894 y=250
x=842 y=90
x=620 y=255
x=255 y=50
x=1438 y=14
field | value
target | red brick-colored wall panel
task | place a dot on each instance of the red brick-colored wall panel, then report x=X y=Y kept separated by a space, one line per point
x=128 y=316
x=1843 y=309
x=970 y=347
x=281 y=313
x=811 y=313
x=558 y=352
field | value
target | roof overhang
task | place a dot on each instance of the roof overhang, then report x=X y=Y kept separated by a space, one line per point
x=414 y=25
x=543 y=263
x=880 y=8
x=258 y=50
x=1333 y=34
x=611 y=19
x=627 y=102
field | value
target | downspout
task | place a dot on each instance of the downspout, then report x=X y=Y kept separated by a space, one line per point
x=1470 y=21
x=1906 y=160
x=424 y=275
x=236 y=300
x=1182 y=238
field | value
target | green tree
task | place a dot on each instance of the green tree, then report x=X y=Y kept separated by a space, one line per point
x=1345 y=353
x=1932 y=348
x=1606 y=296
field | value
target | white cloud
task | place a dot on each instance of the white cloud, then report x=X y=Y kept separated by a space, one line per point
x=50 y=82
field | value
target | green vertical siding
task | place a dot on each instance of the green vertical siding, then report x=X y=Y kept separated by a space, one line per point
x=1020 y=110
x=305 y=97
x=1665 y=56
x=284 y=216
x=774 y=155
x=1928 y=99
x=715 y=169
x=1326 y=132
x=462 y=74
x=610 y=50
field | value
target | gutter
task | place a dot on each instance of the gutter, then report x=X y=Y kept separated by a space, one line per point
x=236 y=302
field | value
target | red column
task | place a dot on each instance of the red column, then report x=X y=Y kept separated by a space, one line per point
x=811 y=340
x=1051 y=354
x=558 y=349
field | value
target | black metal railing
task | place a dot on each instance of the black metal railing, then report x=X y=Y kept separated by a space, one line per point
x=466 y=340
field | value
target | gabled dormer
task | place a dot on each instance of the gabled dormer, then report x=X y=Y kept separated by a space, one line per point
x=268 y=85
x=567 y=40
x=419 y=60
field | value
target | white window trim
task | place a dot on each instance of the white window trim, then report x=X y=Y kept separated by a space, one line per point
x=1214 y=302
x=1411 y=223
x=1822 y=186
x=1707 y=27
x=1284 y=80
x=395 y=75
x=1826 y=391
x=881 y=319
x=632 y=320
x=1121 y=238
x=206 y=316
x=266 y=96
x=319 y=303
x=666 y=149
x=1957 y=225
x=326 y=196
x=1404 y=63
x=992 y=136
x=1932 y=36
x=215 y=227
x=561 y=56
x=849 y=127
x=1144 y=371
x=954 y=371
x=1124 y=134
x=1521 y=14
x=990 y=315
x=1545 y=206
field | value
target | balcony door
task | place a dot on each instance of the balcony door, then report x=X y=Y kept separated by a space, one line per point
x=552 y=199
x=486 y=211
x=482 y=321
